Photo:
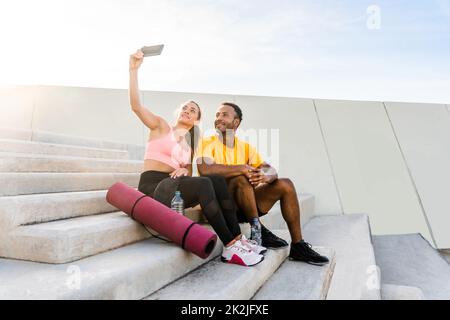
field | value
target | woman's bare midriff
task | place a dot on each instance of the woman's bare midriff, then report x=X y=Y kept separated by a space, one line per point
x=157 y=166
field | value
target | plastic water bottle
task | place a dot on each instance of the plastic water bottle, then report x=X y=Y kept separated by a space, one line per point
x=256 y=231
x=177 y=203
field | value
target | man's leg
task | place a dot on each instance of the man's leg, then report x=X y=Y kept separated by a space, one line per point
x=283 y=190
x=244 y=196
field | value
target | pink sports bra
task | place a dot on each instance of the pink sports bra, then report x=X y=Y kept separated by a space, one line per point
x=168 y=151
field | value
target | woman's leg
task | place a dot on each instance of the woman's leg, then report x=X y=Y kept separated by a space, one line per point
x=149 y=181
x=200 y=190
x=226 y=202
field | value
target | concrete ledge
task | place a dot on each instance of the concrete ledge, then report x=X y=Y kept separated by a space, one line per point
x=396 y=292
x=131 y=272
x=410 y=260
x=39 y=208
x=17 y=146
x=299 y=281
x=218 y=280
x=71 y=239
x=22 y=162
x=32 y=183
x=355 y=276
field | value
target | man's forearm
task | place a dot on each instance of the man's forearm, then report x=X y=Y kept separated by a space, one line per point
x=227 y=171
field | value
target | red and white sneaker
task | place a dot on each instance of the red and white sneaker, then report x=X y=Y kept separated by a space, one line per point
x=252 y=245
x=237 y=253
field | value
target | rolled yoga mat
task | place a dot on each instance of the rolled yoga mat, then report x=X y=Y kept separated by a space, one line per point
x=167 y=222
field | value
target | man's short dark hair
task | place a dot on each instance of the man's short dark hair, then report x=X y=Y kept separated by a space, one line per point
x=236 y=109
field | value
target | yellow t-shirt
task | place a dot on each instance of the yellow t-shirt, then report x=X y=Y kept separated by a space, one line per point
x=242 y=153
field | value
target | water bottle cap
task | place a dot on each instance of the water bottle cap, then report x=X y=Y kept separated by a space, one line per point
x=177 y=193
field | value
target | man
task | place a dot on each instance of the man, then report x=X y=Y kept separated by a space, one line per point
x=253 y=183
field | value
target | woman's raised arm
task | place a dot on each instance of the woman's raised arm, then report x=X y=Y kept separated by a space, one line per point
x=151 y=120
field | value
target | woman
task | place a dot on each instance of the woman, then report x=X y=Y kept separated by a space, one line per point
x=168 y=154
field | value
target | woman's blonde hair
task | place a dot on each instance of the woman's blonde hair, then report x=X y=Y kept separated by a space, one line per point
x=193 y=135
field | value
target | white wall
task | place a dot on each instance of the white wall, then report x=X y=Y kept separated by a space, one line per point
x=390 y=160
x=423 y=131
x=96 y=113
x=16 y=107
x=370 y=172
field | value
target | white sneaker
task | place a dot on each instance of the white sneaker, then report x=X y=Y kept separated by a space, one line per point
x=252 y=245
x=238 y=254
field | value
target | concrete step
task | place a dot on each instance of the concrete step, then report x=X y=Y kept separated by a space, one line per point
x=355 y=276
x=221 y=281
x=22 y=162
x=409 y=260
x=299 y=281
x=396 y=292
x=274 y=219
x=39 y=208
x=130 y=272
x=71 y=239
x=135 y=151
x=20 y=146
x=32 y=183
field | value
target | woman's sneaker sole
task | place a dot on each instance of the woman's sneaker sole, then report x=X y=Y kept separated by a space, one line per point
x=239 y=261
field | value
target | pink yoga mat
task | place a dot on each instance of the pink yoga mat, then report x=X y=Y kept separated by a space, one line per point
x=168 y=223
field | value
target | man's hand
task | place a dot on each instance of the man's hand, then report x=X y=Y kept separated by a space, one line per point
x=257 y=177
x=247 y=170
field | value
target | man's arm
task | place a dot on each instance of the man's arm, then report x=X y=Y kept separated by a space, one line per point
x=207 y=166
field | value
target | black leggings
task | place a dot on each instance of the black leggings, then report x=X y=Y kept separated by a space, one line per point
x=211 y=192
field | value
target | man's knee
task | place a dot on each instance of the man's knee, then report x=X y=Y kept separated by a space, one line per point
x=240 y=182
x=285 y=185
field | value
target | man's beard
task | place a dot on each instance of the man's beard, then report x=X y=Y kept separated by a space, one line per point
x=224 y=130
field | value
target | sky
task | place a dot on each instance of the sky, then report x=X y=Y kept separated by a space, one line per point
x=390 y=50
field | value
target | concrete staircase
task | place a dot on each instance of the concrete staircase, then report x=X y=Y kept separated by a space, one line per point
x=52 y=201
x=59 y=239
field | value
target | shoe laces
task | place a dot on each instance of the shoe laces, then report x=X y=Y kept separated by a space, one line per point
x=246 y=241
x=310 y=249
x=252 y=242
x=239 y=246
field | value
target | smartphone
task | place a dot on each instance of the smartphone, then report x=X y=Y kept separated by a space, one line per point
x=152 y=50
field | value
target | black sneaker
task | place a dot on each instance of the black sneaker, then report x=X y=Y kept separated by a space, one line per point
x=271 y=241
x=302 y=251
